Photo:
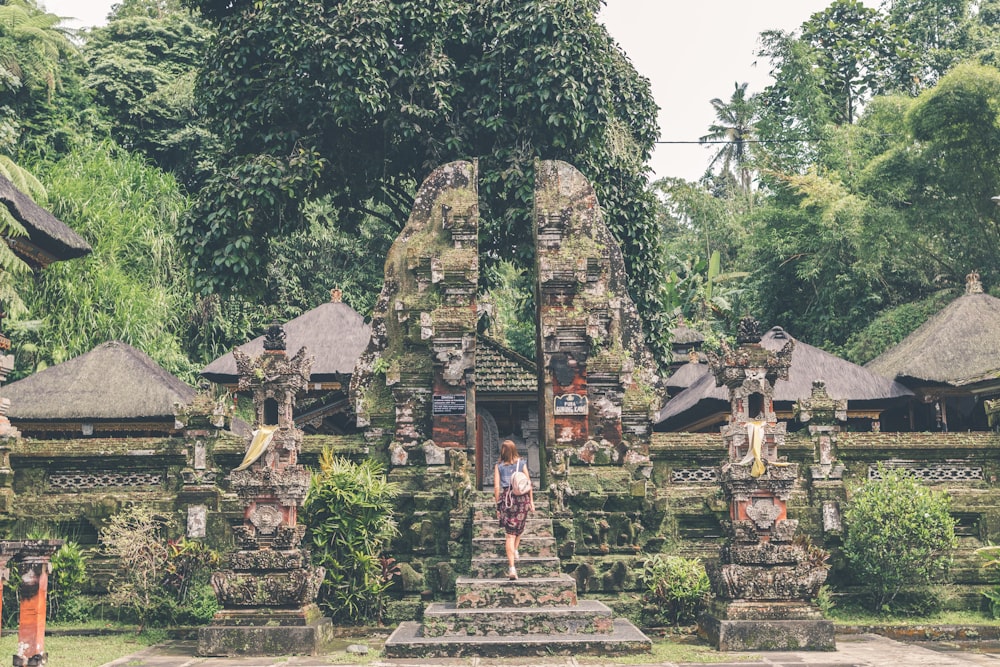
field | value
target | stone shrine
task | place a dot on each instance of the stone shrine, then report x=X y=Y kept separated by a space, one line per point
x=268 y=594
x=766 y=578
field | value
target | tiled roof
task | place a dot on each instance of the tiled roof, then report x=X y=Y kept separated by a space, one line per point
x=500 y=370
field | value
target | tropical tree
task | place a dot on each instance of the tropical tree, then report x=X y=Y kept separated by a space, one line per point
x=143 y=65
x=40 y=93
x=734 y=128
x=354 y=102
x=939 y=178
x=937 y=36
x=856 y=51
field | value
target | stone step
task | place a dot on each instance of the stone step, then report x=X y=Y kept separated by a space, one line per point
x=487 y=503
x=473 y=593
x=496 y=568
x=534 y=527
x=537 y=547
x=625 y=639
x=587 y=617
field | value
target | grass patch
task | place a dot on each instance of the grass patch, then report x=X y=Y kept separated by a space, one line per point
x=856 y=616
x=672 y=649
x=84 y=651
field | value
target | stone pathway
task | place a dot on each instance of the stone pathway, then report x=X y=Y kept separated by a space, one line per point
x=852 y=651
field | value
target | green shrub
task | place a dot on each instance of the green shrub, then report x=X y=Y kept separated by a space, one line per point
x=189 y=567
x=899 y=536
x=348 y=512
x=673 y=589
x=69 y=574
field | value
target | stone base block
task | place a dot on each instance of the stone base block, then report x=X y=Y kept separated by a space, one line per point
x=525 y=592
x=588 y=617
x=766 y=626
x=262 y=635
x=408 y=641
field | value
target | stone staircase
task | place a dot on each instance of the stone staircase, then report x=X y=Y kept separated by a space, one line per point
x=538 y=614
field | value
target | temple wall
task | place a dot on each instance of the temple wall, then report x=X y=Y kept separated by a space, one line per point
x=604 y=530
x=74 y=486
x=965 y=465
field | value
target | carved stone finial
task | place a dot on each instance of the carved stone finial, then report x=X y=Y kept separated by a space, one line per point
x=336 y=295
x=749 y=331
x=972 y=283
x=274 y=339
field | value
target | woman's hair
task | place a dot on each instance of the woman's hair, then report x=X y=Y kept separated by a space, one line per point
x=508 y=451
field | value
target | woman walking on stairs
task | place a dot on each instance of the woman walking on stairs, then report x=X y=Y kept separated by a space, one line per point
x=512 y=507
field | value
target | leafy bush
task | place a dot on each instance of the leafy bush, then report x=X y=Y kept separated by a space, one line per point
x=189 y=566
x=673 y=589
x=899 y=535
x=69 y=574
x=349 y=514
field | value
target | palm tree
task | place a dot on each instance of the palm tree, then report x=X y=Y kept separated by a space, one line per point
x=734 y=126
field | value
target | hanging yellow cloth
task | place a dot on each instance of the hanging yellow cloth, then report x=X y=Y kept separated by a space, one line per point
x=261 y=439
x=755 y=433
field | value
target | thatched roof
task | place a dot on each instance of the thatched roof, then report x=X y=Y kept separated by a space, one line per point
x=334 y=333
x=684 y=336
x=958 y=346
x=843 y=380
x=685 y=376
x=112 y=381
x=49 y=239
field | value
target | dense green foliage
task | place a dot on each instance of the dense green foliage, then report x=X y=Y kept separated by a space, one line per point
x=348 y=512
x=69 y=576
x=142 y=72
x=874 y=175
x=132 y=288
x=899 y=535
x=355 y=102
x=673 y=590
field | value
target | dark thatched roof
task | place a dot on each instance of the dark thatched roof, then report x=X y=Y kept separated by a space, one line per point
x=334 y=333
x=49 y=239
x=958 y=346
x=685 y=376
x=112 y=381
x=843 y=380
x=684 y=336
x=501 y=370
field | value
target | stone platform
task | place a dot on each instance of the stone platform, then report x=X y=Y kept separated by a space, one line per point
x=282 y=632
x=538 y=614
x=766 y=626
x=408 y=641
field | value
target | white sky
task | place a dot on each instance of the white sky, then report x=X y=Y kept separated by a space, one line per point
x=690 y=51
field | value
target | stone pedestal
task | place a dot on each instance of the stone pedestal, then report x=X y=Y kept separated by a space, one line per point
x=741 y=625
x=251 y=632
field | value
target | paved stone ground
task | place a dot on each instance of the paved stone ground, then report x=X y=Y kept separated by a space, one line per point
x=852 y=651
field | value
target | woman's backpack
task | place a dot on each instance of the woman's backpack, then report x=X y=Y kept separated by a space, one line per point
x=519 y=483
